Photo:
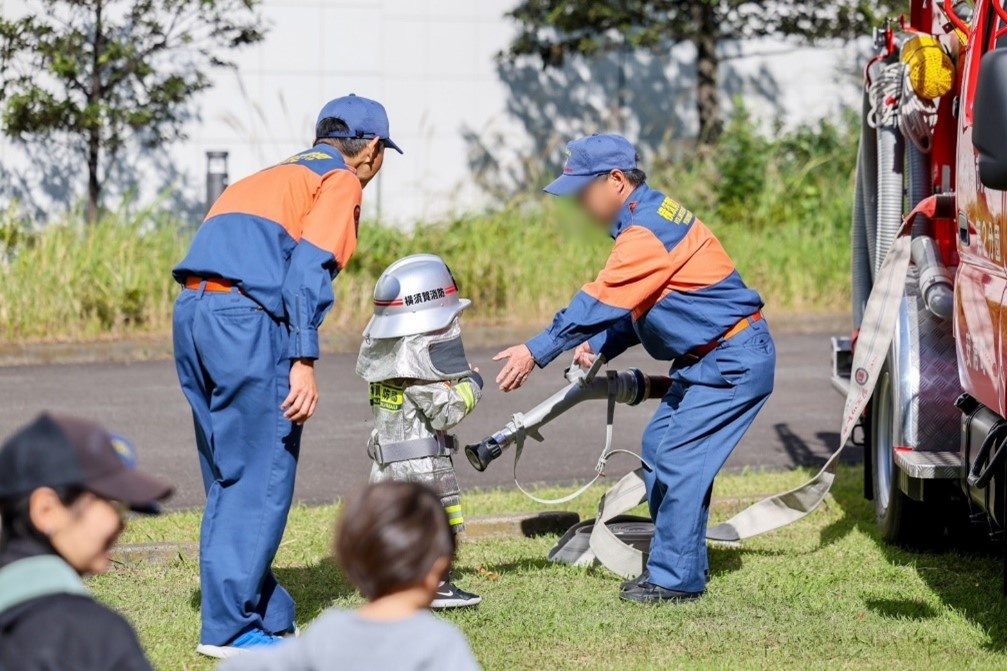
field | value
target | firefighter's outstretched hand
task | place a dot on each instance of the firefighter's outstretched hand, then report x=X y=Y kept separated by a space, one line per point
x=300 y=403
x=584 y=356
x=520 y=364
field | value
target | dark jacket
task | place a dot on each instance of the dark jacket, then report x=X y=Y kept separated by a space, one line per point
x=48 y=621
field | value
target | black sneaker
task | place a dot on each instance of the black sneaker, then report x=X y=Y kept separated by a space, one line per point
x=449 y=596
x=630 y=584
x=645 y=577
x=650 y=593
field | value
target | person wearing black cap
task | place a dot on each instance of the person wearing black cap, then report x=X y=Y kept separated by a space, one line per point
x=64 y=486
x=257 y=283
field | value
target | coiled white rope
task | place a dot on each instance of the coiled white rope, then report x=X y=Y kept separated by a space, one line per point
x=886 y=94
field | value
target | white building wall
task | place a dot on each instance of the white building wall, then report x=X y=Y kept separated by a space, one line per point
x=464 y=122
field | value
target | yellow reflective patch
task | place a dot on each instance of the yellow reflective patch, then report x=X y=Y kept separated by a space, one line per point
x=673 y=211
x=468 y=395
x=307 y=156
x=386 y=396
x=454 y=515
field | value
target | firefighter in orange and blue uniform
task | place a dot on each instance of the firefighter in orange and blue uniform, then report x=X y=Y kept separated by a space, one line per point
x=257 y=283
x=670 y=286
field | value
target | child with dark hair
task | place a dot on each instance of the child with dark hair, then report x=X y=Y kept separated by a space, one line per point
x=395 y=545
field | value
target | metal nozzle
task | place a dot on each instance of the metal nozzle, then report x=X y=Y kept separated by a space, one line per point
x=481 y=454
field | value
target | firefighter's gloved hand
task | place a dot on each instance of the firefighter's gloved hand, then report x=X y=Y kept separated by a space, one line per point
x=584 y=355
x=520 y=364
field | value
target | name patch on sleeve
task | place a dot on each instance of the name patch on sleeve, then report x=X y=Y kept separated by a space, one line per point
x=673 y=211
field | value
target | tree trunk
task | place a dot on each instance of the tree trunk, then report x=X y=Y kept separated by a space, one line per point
x=707 y=71
x=93 y=184
x=94 y=96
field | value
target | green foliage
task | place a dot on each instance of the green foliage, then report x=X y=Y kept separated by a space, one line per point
x=87 y=281
x=789 y=178
x=741 y=159
x=781 y=206
x=96 y=73
x=825 y=593
x=554 y=30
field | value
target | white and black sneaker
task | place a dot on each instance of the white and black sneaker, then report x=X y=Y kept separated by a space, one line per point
x=449 y=596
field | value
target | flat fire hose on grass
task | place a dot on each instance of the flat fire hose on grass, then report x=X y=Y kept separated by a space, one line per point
x=876 y=333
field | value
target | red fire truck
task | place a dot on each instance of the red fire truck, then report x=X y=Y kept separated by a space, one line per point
x=935 y=122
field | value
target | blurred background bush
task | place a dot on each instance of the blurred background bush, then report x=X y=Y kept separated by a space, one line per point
x=780 y=203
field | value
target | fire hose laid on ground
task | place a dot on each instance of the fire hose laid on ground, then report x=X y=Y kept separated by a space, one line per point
x=904 y=82
x=623 y=550
x=616 y=540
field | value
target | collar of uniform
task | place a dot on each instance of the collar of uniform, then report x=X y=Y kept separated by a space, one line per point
x=624 y=219
x=334 y=153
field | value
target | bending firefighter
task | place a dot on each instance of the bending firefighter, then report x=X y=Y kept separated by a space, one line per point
x=670 y=286
x=421 y=386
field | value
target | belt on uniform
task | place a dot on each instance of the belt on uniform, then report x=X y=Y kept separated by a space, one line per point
x=416 y=448
x=695 y=354
x=211 y=284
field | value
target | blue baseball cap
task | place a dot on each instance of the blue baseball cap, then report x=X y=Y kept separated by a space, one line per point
x=366 y=119
x=589 y=157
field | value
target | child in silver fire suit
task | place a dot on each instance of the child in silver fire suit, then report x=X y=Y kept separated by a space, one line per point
x=421 y=385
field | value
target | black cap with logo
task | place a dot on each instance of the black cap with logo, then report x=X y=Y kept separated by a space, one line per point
x=71 y=452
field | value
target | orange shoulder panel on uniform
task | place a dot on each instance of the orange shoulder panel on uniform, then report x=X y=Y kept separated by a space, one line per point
x=331 y=223
x=282 y=194
x=699 y=260
x=637 y=269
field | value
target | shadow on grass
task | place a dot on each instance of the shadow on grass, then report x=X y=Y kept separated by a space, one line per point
x=901 y=609
x=314 y=588
x=966 y=580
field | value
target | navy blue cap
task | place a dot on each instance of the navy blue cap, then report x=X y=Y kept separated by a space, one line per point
x=366 y=119
x=589 y=157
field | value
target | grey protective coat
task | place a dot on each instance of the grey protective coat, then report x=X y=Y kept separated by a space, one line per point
x=421 y=387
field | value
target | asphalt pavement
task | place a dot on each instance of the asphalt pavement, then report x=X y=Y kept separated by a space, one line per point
x=798 y=427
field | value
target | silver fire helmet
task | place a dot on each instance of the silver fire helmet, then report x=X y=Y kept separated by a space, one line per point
x=416 y=294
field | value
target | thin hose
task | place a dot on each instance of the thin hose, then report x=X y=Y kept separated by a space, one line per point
x=868 y=176
x=860 y=261
x=919 y=187
x=891 y=160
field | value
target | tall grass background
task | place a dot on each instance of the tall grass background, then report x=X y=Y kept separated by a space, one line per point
x=780 y=203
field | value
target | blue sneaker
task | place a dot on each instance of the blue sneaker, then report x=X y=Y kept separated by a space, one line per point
x=253 y=638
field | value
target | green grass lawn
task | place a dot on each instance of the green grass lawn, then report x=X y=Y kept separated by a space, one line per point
x=824 y=593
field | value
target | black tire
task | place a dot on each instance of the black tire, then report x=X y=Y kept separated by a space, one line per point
x=901 y=520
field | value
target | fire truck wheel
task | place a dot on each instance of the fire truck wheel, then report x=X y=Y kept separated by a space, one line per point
x=901 y=520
